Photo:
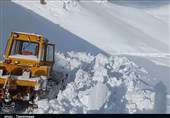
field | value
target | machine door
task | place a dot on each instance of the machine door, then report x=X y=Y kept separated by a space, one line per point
x=49 y=55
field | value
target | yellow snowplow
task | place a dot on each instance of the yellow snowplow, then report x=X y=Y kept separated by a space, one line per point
x=26 y=68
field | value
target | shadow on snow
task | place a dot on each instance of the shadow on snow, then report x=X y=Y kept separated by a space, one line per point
x=17 y=18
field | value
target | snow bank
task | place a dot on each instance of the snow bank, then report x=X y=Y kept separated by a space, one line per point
x=95 y=97
x=99 y=84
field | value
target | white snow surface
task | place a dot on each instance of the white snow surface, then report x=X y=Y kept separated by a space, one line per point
x=134 y=80
x=116 y=29
x=140 y=29
x=162 y=13
x=100 y=84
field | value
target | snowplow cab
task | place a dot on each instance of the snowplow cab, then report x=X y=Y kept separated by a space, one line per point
x=27 y=65
x=29 y=51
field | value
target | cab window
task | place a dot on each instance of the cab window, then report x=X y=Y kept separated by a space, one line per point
x=24 y=48
x=50 y=52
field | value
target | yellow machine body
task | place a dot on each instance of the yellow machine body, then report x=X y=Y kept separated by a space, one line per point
x=18 y=58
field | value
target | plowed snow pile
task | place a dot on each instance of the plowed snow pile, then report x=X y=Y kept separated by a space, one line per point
x=100 y=84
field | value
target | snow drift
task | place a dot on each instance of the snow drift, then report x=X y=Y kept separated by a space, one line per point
x=100 y=84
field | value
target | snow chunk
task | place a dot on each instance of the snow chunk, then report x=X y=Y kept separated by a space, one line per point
x=84 y=57
x=114 y=82
x=95 y=97
x=139 y=100
x=83 y=80
x=43 y=106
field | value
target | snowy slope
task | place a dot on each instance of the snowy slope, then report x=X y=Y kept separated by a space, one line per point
x=143 y=34
x=86 y=28
x=108 y=20
x=156 y=8
x=161 y=13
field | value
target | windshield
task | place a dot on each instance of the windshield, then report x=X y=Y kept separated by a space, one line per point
x=25 y=48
